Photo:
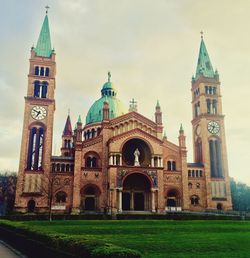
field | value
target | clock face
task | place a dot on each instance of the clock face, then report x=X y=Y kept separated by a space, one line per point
x=213 y=127
x=38 y=112
x=198 y=130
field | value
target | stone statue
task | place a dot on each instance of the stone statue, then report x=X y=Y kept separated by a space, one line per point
x=136 y=154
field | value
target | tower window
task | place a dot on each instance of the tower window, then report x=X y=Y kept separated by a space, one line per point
x=40 y=89
x=44 y=89
x=47 y=71
x=41 y=71
x=35 y=151
x=215 y=159
x=37 y=70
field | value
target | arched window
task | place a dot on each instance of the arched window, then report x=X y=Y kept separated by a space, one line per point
x=58 y=167
x=35 y=150
x=61 y=197
x=44 y=89
x=93 y=133
x=53 y=167
x=72 y=167
x=42 y=71
x=67 y=167
x=47 y=71
x=94 y=162
x=208 y=106
x=65 y=143
x=63 y=167
x=215 y=158
x=37 y=89
x=194 y=200
x=214 y=107
x=173 y=165
x=37 y=70
x=89 y=162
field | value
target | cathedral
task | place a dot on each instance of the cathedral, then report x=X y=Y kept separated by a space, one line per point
x=116 y=160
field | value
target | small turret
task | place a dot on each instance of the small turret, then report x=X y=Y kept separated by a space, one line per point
x=182 y=137
x=79 y=129
x=158 y=114
x=67 y=138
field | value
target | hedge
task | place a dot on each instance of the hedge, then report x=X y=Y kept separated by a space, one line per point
x=43 y=244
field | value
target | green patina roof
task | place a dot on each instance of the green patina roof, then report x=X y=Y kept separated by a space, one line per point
x=43 y=46
x=204 y=65
x=116 y=107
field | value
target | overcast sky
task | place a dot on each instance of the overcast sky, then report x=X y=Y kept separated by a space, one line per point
x=150 y=47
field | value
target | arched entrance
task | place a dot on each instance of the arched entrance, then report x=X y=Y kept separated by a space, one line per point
x=128 y=153
x=31 y=206
x=90 y=198
x=136 y=194
x=173 y=199
x=219 y=206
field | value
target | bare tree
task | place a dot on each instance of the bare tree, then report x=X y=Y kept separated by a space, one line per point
x=49 y=186
x=7 y=191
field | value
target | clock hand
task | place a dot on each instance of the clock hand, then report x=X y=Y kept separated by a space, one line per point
x=38 y=113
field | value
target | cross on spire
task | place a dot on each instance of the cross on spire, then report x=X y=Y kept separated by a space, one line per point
x=202 y=34
x=133 y=105
x=109 y=76
x=47 y=9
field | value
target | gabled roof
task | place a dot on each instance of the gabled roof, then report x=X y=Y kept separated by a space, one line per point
x=204 y=65
x=43 y=46
x=67 y=128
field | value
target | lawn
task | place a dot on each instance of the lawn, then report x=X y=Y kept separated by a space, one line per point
x=160 y=238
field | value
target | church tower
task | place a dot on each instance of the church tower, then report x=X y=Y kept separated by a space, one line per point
x=36 y=146
x=209 y=131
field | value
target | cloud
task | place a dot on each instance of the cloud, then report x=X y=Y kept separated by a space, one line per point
x=151 y=50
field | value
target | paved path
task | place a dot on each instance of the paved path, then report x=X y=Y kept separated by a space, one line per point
x=7 y=252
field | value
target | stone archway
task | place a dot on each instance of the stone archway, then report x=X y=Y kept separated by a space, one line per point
x=173 y=199
x=90 y=198
x=31 y=205
x=136 y=193
x=129 y=149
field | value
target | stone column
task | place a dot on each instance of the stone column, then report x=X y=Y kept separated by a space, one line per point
x=153 y=199
x=110 y=160
x=114 y=161
x=152 y=161
x=132 y=201
x=161 y=163
x=120 y=159
x=120 y=199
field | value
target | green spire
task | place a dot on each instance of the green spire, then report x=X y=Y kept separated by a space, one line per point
x=43 y=46
x=158 y=104
x=204 y=65
x=181 y=129
x=79 y=120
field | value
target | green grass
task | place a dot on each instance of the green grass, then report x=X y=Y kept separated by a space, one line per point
x=159 y=238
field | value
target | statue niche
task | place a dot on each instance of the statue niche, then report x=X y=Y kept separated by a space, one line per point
x=136 y=152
